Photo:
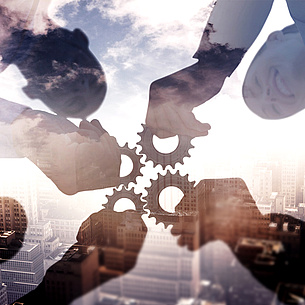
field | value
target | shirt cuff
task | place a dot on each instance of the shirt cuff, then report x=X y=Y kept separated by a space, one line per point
x=9 y=112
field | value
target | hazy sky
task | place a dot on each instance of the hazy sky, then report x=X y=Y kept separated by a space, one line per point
x=139 y=41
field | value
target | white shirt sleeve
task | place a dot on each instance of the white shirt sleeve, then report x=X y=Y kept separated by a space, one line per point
x=9 y=111
x=297 y=12
x=235 y=23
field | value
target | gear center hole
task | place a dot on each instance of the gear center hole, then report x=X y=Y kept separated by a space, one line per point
x=169 y=198
x=165 y=146
x=123 y=205
x=126 y=166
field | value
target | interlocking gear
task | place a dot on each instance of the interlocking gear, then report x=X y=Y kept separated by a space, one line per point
x=137 y=165
x=162 y=182
x=125 y=193
x=164 y=159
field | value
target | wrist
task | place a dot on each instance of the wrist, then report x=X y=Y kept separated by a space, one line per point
x=220 y=57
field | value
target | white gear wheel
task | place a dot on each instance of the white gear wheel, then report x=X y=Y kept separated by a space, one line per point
x=157 y=186
x=164 y=159
x=137 y=165
x=125 y=193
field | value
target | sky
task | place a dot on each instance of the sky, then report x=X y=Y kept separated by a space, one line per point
x=140 y=41
x=137 y=42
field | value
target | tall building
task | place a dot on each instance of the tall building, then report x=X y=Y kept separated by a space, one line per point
x=23 y=272
x=41 y=233
x=12 y=216
x=74 y=275
x=262 y=183
x=164 y=272
x=64 y=224
x=18 y=180
x=278 y=203
x=3 y=292
x=289 y=181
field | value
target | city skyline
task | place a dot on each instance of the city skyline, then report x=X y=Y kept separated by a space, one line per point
x=238 y=230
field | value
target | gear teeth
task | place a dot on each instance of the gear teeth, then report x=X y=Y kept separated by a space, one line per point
x=158 y=185
x=163 y=159
x=137 y=165
x=125 y=193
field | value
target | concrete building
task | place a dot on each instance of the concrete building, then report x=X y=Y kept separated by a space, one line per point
x=21 y=185
x=289 y=181
x=265 y=207
x=23 y=272
x=64 y=226
x=74 y=275
x=262 y=183
x=3 y=292
x=301 y=211
x=41 y=233
x=12 y=216
x=278 y=203
x=164 y=272
x=6 y=238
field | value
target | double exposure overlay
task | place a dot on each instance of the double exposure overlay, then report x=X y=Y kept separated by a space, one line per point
x=151 y=152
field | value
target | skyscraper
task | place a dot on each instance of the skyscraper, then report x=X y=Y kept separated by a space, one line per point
x=23 y=272
x=12 y=216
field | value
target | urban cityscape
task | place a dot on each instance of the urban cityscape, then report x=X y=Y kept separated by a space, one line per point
x=229 y=243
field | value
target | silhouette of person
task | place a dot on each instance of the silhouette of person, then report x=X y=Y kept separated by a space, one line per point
x=270 y=246
x=231 y=29
x=62 y=72
x=106 y=248
x=12 y=228
x=273 y=87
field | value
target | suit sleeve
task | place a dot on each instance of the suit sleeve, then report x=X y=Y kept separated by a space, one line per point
x=9 y=111
x=234 y=24
x=297 y=13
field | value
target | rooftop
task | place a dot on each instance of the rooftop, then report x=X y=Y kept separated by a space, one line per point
x=273 y=245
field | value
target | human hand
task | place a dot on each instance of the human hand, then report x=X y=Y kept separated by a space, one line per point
x=105 y=240
x=167 y=120
x=75 y=159
x=225 y=211
x=172 y=99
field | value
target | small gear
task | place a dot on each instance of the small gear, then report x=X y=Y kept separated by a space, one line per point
x=162 y=182
x=137 y=165
x=125 y=193
x=164 y=159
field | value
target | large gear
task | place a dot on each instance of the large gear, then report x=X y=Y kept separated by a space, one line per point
x=164 y=159
x=137 y=165
x=125 y=193
x=162 y=182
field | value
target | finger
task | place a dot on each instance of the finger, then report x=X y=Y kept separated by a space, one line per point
x=98 y=125
x=85 y=125
x=111 y=146
x=159 y=121
x=89 y=134
x=190 y=126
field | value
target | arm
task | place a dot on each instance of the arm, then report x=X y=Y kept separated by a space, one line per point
x=9 y=111
x=102 y=256
x=75 y=159
x=297 y=12
x=230 y=31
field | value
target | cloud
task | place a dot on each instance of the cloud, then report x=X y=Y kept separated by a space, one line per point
x=168 y=24
x=55 y=10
